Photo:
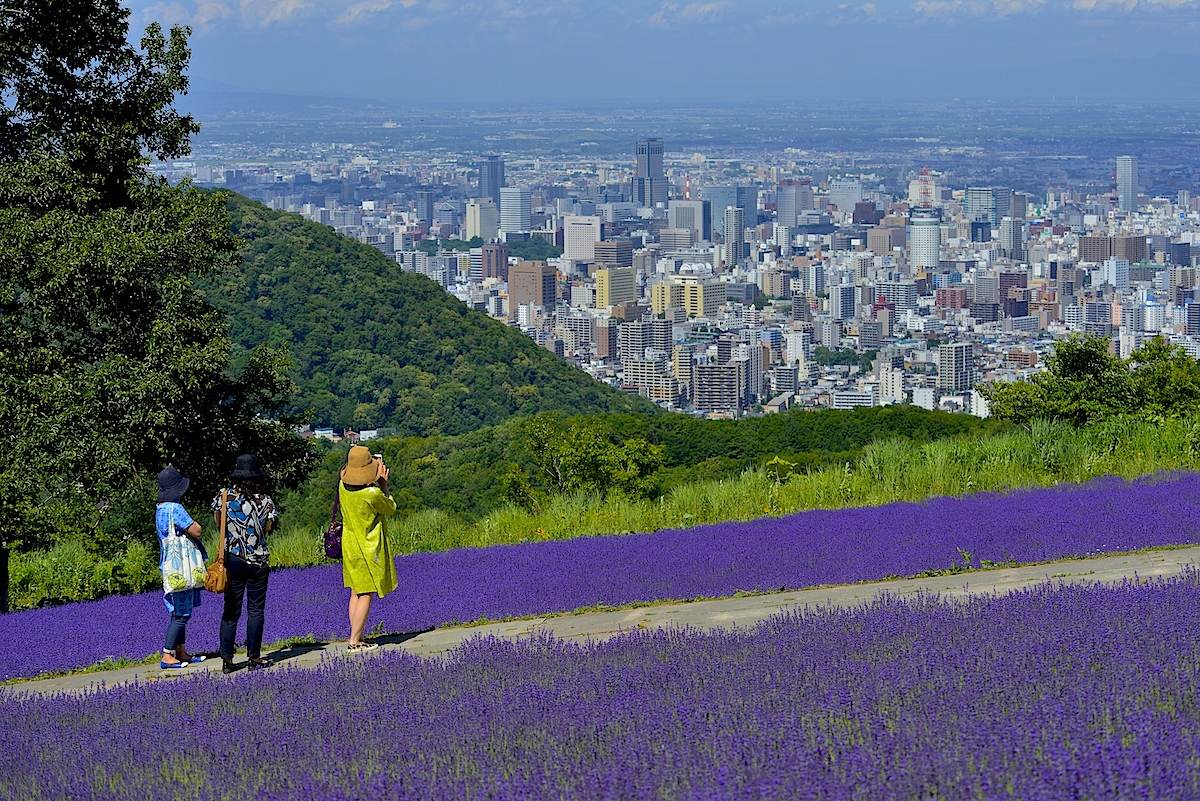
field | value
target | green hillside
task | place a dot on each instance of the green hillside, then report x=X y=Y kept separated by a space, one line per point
x=374 y=346
x=462 y=475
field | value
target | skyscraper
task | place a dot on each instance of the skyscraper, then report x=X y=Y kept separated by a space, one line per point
x=491 y=178
x=792 y=198
x=425 y=206
x=747 y=201
x=649 y=181
x=482 y=219
x=1127 y=182
x=515 y=210
x=924 y=239
x=735 y=236
x=695 y=215
x=719 y=198
x=988 y=204
x=1012 y=238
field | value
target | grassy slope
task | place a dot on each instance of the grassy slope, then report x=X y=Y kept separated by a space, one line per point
x=376 y=346
x=461 y=475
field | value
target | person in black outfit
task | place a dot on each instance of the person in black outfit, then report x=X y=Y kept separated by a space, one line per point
x=250 y=514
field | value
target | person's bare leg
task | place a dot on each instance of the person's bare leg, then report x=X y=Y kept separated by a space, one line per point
x=360 y=607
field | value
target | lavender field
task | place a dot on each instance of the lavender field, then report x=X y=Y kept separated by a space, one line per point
x=1050 y=693
x=811 y=548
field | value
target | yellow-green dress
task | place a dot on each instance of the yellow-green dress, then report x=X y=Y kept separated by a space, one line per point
x=367 y=564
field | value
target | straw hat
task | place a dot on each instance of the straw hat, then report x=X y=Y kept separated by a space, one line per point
x=361 y=467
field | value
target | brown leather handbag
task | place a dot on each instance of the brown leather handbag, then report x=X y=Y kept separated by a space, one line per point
x=217 y=577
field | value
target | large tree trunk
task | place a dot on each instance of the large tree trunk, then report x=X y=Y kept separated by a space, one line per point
x=3 y=579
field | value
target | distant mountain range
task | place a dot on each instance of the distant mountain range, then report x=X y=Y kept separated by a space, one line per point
x=374 y=346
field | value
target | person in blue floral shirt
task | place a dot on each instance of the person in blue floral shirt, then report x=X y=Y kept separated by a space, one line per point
x=170 y=512
x=250 y=514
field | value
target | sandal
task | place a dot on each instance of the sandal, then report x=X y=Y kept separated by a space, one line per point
x=363 y=646
x=258 y=664
x=172 y=665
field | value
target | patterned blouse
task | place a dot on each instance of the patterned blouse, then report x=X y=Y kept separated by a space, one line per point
x=248 y=519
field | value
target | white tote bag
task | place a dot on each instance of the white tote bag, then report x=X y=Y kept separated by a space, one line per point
x=182 y=564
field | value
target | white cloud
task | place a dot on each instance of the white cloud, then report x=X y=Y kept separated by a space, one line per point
x=1130 y=5
x=976 y=8
x=369 y=7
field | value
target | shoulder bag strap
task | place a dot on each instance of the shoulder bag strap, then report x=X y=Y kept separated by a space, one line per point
x=224 y=517
x=337 y=498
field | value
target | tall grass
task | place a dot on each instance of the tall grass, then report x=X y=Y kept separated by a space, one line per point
x=889 y=470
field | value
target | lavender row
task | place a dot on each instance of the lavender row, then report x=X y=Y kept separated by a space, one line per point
x=1067 y=692
x=806 y=549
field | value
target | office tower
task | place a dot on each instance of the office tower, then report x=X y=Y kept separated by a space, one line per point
x=515 y=210
x=1012 y=238
x=925 y=239
x=988 y=204
x=719 y=198
x=614 y=286
x=792 y=198
x=841 y=301
x=676 y=238
x=532 y=283
x=747 y=201
x=649 y=181
x=614 y=253
x=844 y=193
x=1020 y=206
x=425 y=206
x=955 y=367
x=495 y=261
x=491 y=178
x=814 y=279
x=1127 y=182
x=482 y=220
x=735 y=235
x=695 y=215
x=580 y=235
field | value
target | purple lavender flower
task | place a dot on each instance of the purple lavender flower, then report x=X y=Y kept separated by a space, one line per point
x=802 y=550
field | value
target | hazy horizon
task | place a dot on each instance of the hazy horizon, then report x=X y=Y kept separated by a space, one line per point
x=616 y=51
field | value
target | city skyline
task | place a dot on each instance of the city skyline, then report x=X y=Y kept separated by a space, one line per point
x=421 y=50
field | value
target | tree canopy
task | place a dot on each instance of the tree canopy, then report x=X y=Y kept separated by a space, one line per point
x=112 y=364
x=375 y=346
x=1084 y=383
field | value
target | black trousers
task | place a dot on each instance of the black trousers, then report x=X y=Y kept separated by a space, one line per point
x=251 y=581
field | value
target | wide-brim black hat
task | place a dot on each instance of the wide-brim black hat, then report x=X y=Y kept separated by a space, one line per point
x=248 y=466
x=171 y=485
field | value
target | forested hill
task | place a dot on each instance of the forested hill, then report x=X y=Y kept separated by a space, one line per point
x=374 y=346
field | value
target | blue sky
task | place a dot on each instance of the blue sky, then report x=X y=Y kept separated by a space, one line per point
x=723 y=50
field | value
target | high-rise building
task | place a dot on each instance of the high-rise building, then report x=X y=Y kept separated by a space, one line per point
x=747 y=201
x=491 y=178
x=924 y=239
x=735 y=236
x=1127 y=182
x=1114 y=272
x=615 y=285
x=719 y=199
x=614 y=253
x=425 y=200
x=482 y=219
x=495 y=261
x=580 y=235
x=791 y=199
x=516 y=213
x=956 y=368
x=845 y=193
x=695 y=215
x=532 y=283
x=1012 y=238
x=841 y=301
x=988 y=204
x=649 y=181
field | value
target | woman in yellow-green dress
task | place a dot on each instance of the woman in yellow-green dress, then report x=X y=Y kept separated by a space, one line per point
x=367 y=566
